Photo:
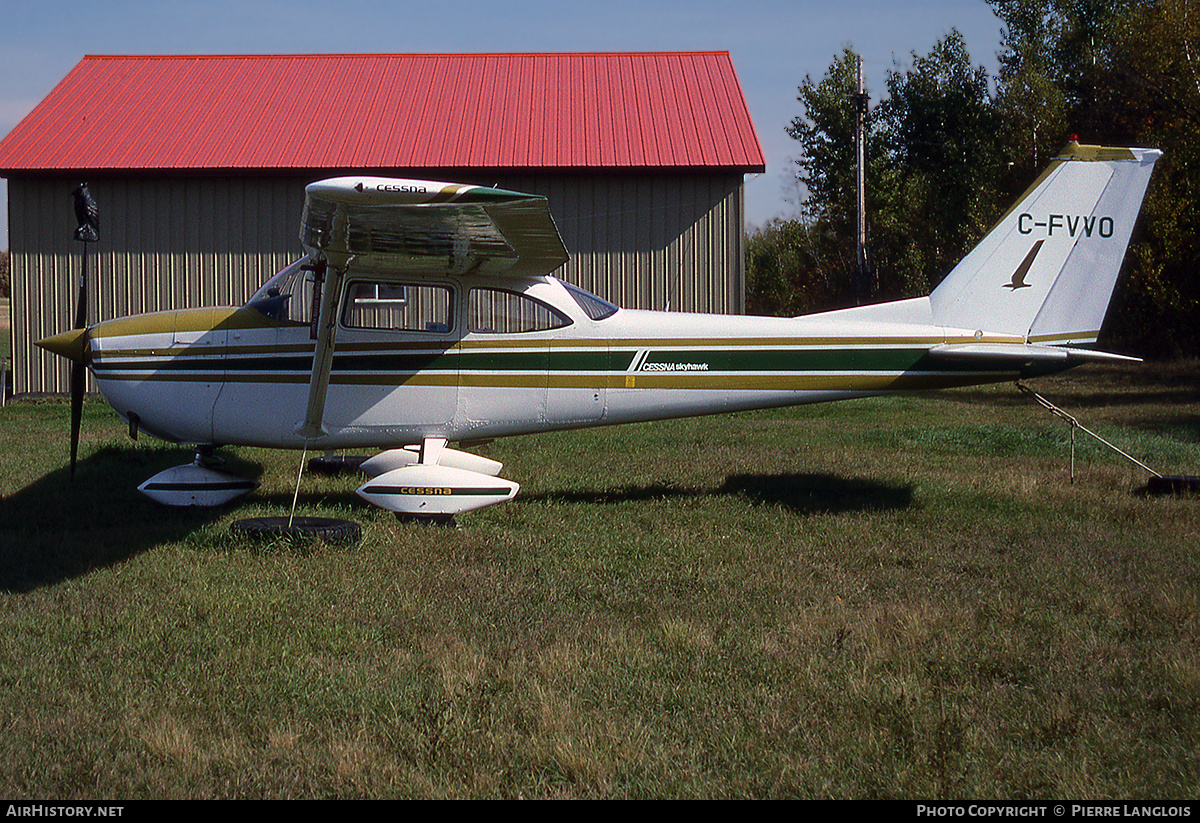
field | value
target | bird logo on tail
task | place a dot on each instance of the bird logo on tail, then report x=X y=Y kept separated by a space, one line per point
x=1018 y=278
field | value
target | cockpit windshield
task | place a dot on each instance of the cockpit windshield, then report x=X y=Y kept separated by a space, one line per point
x=286 y=297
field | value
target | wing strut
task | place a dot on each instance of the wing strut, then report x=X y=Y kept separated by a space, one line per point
x=328 y=288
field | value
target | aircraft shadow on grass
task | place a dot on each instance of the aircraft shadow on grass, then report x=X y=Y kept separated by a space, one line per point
x=1128 y=384
x=803 y=494
x=55 y=529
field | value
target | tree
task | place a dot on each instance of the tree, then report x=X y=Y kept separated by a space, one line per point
x=946 y=157
x=1155 y=59
x=827 y=170
x=933 y=156
x=826 y=132
x=1118 y=72
x=1030 y=102
x=784 y=271
x=942 y=132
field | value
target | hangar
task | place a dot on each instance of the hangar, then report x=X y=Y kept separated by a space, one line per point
x=198 y=165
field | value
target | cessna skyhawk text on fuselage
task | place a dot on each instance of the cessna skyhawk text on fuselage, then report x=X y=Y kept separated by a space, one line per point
x=425 y=313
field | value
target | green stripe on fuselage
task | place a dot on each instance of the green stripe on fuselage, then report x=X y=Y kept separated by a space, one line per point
x=661 y=363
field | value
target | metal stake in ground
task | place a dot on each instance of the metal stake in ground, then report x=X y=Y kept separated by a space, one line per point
x=1157 y=484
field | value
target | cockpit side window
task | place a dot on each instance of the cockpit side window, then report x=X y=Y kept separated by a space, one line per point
x=496 y=311
x=409 y=307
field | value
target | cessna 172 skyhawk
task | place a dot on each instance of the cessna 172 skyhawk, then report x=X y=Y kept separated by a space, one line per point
x=425 y=314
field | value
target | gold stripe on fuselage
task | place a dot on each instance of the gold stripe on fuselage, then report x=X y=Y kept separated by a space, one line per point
x=741 y=381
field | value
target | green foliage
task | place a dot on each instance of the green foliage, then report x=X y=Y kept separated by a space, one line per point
x=933 y=157
x=942 y=130
x=826 y=135
x=1119 y=72
x=1030 y=103
x=1154 y=57
x=946 y=155
x=784 y=274
x=5 y=282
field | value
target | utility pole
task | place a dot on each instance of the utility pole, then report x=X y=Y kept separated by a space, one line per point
x=863 y=287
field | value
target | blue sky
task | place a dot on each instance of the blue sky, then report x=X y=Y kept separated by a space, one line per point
x=774 y=43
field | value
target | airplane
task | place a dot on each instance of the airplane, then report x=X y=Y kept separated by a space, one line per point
x=426 y=313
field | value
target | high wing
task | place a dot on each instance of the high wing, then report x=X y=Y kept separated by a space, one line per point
x=413 y=227
x=418 y=226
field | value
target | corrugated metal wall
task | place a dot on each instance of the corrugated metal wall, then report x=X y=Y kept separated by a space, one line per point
x=639 y=240
x=652 y=241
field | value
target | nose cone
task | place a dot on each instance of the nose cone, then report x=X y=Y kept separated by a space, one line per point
x=70 y=344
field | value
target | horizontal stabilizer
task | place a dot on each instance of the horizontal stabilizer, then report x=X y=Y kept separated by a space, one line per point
x=1017 y=354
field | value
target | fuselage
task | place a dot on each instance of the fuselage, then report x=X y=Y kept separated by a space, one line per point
x=466 y=360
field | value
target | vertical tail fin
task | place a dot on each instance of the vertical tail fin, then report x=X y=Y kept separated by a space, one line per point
x=1046 y=271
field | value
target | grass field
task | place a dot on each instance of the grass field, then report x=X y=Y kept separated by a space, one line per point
x=886 y=598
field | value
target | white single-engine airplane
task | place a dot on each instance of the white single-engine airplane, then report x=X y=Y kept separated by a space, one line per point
x=425 y=313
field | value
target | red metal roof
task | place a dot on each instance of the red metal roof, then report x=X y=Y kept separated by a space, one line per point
x=611 y=110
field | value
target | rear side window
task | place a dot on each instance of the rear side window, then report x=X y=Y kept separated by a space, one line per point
x=595 y=307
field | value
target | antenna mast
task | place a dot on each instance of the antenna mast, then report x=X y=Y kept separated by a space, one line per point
x=863 y=287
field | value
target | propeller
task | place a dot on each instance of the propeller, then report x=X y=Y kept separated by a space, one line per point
x=88 y=218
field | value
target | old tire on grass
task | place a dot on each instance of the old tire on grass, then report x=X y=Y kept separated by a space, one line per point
x=347 y=464
x=329 y=529
x=1174 y=484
